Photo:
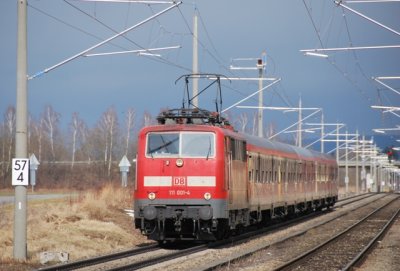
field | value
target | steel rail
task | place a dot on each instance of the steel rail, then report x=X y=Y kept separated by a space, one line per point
x=316 y=249
x=353 y=199
x=156 y=260
x=217 y=244
x=184 y=252
x=223 y=262
x=368 y=248
x=100 y=259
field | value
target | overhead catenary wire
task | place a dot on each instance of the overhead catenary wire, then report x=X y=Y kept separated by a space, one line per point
x=159 y=59
x=103 y=42
x=334 y=64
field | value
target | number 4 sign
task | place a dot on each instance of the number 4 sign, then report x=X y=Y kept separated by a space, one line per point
x=20 y=171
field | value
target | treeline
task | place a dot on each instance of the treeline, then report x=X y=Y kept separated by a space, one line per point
x=79 y=156
x=75 y=157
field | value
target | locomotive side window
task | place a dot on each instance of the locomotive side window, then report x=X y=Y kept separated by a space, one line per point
x=185 y=144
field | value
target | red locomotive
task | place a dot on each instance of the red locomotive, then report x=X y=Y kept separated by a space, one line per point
x=198 y=179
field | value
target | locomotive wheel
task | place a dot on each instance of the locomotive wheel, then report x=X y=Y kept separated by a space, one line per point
x=223 y=231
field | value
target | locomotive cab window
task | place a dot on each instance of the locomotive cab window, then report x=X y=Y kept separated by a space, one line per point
x=183 y=144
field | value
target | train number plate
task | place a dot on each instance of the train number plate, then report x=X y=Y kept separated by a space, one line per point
x=179 y=192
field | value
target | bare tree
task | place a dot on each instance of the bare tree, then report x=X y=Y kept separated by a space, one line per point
x=108 y=125
x=270 y=130
x=147 y=119
x=77 y=125
x=242 y=121
x=255 y=126
x=7 y=135
x=129 y=122
x=50 y=120
x=85 y=134
x=38 y=133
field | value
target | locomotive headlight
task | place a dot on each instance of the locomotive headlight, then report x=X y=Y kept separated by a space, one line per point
x=207 y=196
x=179 y=162
x=151 y=196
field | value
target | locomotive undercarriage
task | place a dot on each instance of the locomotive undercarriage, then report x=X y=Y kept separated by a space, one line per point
x=168 y=223
x=174 y=222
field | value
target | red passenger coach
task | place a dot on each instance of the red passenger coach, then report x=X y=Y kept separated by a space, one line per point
x=197 y=179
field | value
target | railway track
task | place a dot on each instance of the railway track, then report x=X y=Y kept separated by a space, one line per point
x=134 y=259
x=168 y=253
x=157 y=264
x=267 y=249
x=345 y=249
x=349 y=200
x=101 y=259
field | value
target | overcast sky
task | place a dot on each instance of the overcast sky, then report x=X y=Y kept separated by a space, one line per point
x=228 y=29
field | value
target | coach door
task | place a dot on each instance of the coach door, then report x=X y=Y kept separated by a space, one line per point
x=235 y=168
x=228 y=168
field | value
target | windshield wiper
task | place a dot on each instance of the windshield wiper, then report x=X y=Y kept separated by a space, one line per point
x=209 y=148
x=163 y=146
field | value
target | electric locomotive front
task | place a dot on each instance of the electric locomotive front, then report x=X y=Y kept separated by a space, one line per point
x=179 y=190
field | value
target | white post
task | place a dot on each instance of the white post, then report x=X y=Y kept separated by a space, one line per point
x=299 y=133
x=21 y=137
x=337 y=142
x=357 y=173
x=195 y=68
x=322 y=133
x=260 y=67
x=346 y=177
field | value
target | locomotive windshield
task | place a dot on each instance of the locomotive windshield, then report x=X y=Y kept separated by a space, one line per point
x=181 y=144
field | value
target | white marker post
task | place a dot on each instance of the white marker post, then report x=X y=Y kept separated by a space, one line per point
x=124 y=169
x=20 y=171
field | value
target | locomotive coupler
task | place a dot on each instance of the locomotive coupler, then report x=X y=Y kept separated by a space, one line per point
x=161 y=228
x=214 y=225
x=178 y=221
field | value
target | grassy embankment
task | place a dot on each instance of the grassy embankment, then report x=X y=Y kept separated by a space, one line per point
x=90 y=224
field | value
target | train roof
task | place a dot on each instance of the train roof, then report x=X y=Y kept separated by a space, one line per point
x=285 y=148
x=197 y=119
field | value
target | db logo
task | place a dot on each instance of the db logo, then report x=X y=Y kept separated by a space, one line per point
x=179 y=181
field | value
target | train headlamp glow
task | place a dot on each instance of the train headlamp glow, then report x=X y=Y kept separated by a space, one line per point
x=151 y=196
x=207 y=196
x=179 y=162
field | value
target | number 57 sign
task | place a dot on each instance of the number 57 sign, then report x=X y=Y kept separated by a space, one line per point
x=20 y=171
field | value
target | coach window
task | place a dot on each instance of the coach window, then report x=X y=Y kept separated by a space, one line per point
x=238 y=148
x=270 y=169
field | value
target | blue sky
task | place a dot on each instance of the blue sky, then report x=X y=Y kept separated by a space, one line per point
x=228 y=29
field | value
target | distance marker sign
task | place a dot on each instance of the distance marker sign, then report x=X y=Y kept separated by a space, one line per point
x=20 y=171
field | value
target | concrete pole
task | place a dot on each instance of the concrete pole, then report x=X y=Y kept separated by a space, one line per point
x=322 y=133
x=195 y=65
x=260 y=97
x=357 y=166
x=346 y=177
x=379 y=180
x=363 y=170
x=21 y=139
x=337 y=142
x=299 y=132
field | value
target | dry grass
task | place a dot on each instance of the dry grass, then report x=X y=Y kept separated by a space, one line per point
x=84 y=226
